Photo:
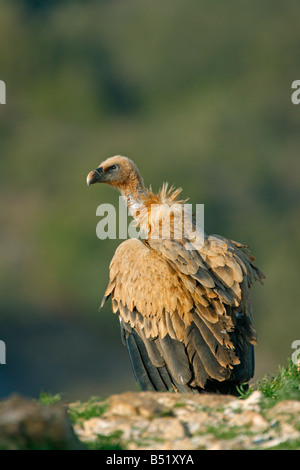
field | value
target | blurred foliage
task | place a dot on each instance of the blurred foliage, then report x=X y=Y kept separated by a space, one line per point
x=197 y=93
x=285 y=385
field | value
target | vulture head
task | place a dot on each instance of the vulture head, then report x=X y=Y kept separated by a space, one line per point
x=121 y=173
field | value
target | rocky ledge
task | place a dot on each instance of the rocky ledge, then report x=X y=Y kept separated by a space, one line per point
x=157 y=421
x=152 y=421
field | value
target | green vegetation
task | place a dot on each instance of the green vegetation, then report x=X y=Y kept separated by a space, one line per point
x=225 y=432
x=94 y=407
x=288 y=445
x=111 y=442
x=283 y=386
x=244 y=391
x=49 y=399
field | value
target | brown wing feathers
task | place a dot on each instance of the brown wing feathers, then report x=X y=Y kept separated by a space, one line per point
x=155 y=363
x=184 y=327
x=185 y=314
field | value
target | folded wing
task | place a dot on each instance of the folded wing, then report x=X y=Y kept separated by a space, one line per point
x=185 y=315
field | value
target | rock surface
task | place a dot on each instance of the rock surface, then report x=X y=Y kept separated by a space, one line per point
x=157 y=421
x=154 y=421
x=26 y=425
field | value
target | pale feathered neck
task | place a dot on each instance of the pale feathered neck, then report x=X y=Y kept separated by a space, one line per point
x=142 y=198
x=150 y=210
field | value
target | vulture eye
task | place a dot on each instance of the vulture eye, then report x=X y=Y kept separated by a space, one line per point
x=113 y=168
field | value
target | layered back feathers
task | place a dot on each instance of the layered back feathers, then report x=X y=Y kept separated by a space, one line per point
x=184 y=307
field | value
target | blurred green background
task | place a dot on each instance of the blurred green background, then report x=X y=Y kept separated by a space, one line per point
x=198 y=94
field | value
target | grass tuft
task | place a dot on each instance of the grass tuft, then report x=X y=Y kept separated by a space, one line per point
x=49 y=399
x=283 y=386
x=94 y=407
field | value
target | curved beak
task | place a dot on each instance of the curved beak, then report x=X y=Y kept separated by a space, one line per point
x=94 y=176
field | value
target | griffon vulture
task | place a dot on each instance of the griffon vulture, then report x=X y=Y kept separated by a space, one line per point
x=185 y=312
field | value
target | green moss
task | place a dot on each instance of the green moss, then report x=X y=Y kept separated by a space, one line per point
x=288 y=445
x=94 y=407
x=226 y=432
x=109 y=442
